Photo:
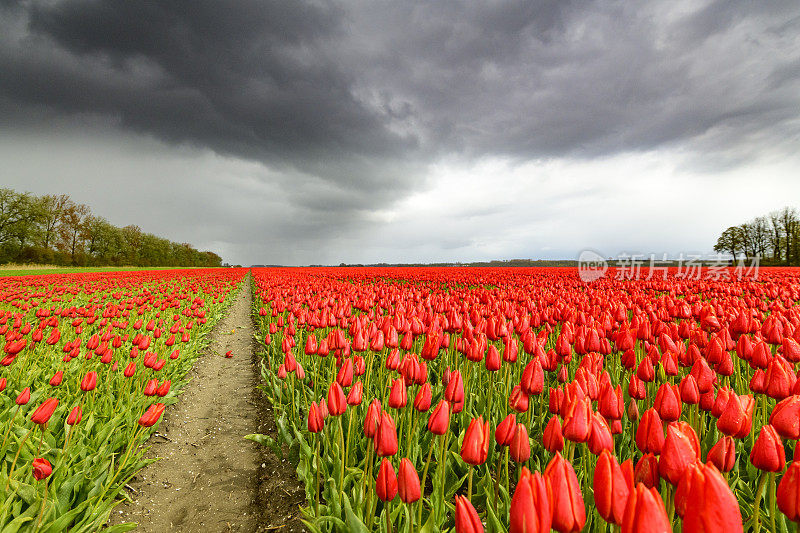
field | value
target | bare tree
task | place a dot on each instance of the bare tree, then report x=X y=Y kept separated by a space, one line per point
x=71 y=229
x=761 y=231
x=53 y=208
x=789 y=225
x=776 y=235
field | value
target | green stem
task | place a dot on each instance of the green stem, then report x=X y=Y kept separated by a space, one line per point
x=422 y=484
x=757 y=503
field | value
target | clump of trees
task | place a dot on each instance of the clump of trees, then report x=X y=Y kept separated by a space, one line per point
x=53 y=229
x=775 y=238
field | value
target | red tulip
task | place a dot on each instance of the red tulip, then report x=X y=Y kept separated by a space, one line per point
x=600 y=438
x=316 y=422
x=645 y=513
x=505 y=430
x=646 y=470
x=75 y=415
x=41 y=468
x=788 y=493
x=454 y=392
x=690 y=394
x=650 y=434
x=552 y=438
x=345 y=375
x=681 y=448
x=386 y=436
x=532 y=382
x=43 y=413
x=578 y=420
x=706 y=502
x=611 y=489
x=355 y=394
x=55 y=381
x=475 y=446
x=372 y=419
x=467 y=520
x=668 y=402
x=723 y=454
x=439 y=421
x=398 y=397
x=152 y=415
x=785 y=418
x=520 y=448
x=569 y=513
x=408 y=481
x=24 y=396
x=337 y=403
x=530 y=506
x=611 y=404
x=422 y=402
x=767 y=453
x=386 y=484
x=89 y=382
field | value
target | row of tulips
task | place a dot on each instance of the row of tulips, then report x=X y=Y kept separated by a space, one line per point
x=526 y=400
x=89 y=362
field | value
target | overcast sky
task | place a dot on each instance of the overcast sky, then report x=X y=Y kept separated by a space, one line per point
x=403 y=131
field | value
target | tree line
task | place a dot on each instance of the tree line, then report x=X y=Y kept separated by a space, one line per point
x=53 y=229
x=775 y=238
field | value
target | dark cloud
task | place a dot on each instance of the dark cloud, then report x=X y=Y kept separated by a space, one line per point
x=347 y=105
x=313 y=81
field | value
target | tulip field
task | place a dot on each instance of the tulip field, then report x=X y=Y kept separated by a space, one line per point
x=526 y=400
x=88 y=365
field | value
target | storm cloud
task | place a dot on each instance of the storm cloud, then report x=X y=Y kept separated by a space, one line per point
x=342 y=112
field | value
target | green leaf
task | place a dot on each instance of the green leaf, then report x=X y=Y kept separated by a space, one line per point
x=354 y=524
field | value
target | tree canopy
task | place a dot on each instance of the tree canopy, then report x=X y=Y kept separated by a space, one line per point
x=774 y=238
x=53 y=229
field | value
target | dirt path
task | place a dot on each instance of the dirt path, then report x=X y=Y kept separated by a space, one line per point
x=210 y=478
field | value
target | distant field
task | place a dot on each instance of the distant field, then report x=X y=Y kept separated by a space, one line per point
x=37 y=270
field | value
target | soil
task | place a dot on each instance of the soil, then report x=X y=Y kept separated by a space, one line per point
x=209 y=478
